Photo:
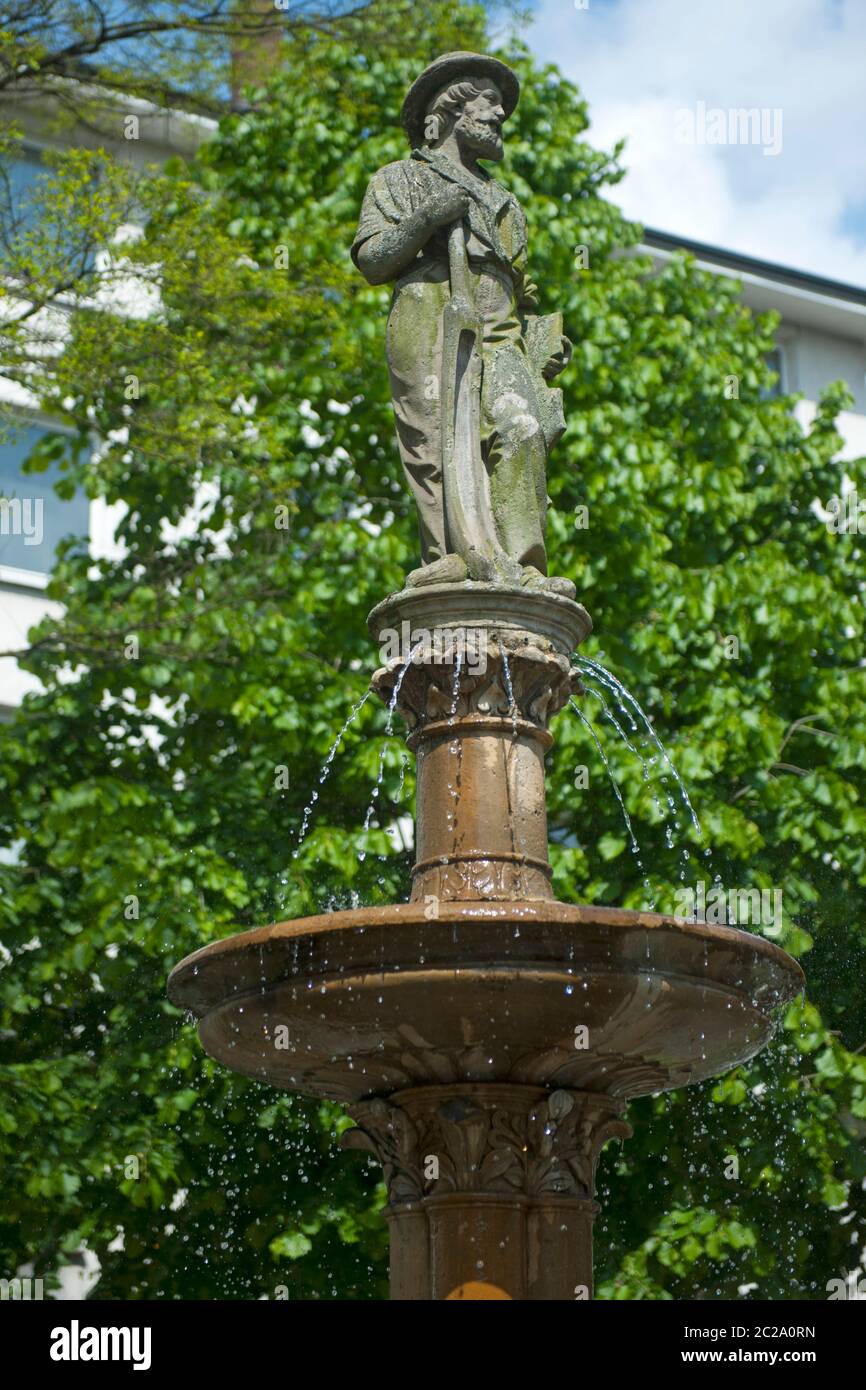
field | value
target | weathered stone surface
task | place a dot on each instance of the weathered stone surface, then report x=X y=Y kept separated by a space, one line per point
x=490 y=1187
x=490 y=1139
x=478 y=672
x=380 y=999
x=470 y=358
x=478 y=650
x=485 y=1035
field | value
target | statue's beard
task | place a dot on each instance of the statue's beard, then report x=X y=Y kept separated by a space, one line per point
x=484 y=140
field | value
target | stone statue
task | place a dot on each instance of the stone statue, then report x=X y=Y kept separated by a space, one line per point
x=469 y=357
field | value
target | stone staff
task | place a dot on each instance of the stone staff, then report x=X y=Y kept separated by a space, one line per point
x=465 y=485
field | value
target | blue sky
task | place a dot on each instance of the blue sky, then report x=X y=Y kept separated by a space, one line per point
x=643 y=63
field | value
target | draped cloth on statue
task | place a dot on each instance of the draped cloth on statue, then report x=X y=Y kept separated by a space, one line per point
x=519 y=416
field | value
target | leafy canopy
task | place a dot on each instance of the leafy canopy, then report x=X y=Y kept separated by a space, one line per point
x=242 y=409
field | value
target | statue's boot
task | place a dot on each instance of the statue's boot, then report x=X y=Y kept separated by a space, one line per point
x=532 y=578
x=450 y=569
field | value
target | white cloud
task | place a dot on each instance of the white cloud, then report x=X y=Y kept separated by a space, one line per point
x=639 y=62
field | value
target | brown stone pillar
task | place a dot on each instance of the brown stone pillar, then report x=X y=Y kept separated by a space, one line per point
x=476 y=673
x=490 y=1183
x=482 y=822
x=490 y=1186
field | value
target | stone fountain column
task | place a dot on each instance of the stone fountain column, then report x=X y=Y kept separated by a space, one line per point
x=484 y=1036
x=489 y=669
x=490 y=1186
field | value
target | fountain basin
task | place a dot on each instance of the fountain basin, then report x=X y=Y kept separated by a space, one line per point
x=370 y=1001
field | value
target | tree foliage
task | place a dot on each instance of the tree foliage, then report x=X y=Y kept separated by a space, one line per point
x=150 y=48
x=244 y=386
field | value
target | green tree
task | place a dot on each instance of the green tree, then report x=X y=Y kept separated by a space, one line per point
x=152 y=49
x=242 y=407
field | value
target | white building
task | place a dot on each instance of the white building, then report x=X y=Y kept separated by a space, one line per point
x=822 y=335
x=34 y=518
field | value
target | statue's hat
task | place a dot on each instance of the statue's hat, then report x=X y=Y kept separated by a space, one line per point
x=453 y=67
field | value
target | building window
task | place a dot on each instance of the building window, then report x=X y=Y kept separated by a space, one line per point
x=22 y=201
x=33 y=519
x=775 y=360
x=24 y=171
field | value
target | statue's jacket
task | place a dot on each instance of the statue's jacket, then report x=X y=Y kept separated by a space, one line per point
x=515 y=399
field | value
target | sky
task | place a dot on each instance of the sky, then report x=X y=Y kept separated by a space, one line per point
x=666 y=73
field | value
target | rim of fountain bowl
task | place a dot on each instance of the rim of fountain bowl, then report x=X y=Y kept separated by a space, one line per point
x=564 y=621
x=198 y=982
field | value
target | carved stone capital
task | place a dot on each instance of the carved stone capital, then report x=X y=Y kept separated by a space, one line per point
x=453 y=652
x=487 y=1140
x=485 y=676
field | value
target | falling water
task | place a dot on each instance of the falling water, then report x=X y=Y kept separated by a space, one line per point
x=404 y=763
x=635 y=847
x=509 y=690
x=456 y=745
x=326 y=768
x=455 y=684
x=620 y=730
x=607 y=678
x=392 y=705
x=645 y=767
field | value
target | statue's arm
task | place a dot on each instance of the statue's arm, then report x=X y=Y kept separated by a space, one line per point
x=385 y=255
x=391 y=232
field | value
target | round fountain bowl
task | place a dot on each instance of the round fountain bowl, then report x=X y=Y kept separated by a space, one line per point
x=370 y=1001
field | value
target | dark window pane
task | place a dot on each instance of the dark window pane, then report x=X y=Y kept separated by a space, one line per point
x=24 y=173
x=775 y=362
x=32 y=517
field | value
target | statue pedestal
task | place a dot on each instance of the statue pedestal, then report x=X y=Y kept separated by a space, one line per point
x=484 y=1036
x=491 y=666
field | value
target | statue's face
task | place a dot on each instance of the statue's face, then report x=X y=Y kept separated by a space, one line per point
x=478 y=128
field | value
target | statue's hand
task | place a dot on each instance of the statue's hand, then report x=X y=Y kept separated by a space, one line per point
x=447 y=203
x=388 y=253
x=559 y=361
